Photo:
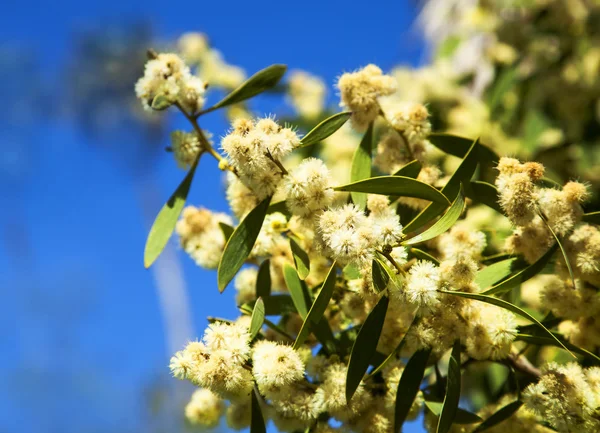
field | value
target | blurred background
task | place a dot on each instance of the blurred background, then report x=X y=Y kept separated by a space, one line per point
x=87 y=332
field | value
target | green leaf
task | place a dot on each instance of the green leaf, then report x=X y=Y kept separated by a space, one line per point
x=409 y=385
x=422 y=255
x=396 y=185
x=365 y=346
x=462 y=416
x=484 y=193
x=394 y=352
x=545 y=341
x=240 y=244
x=450 y=405
x=351 y=272
x=280 y=207
x=451 y=190
x=257 y=422
x=258 y=318
x=297 y=289
x=459 y=146
x=380 y=276
x=523 y=275
x=326 y=128
x=562 y=249
x=592 y=217
x=501 y=414
x=442 y=225
x=412 y=169
x=165 y=221
x=361 y=165
x=227 y=230
x=301 y=259
x=493 y=273
x=263 y=279
x=161 y=102
x=508 y=306
x=317 y=310
x=506 y=80
x=275 y=305
x=263 y=80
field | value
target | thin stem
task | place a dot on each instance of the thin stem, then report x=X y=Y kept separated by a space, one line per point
x=277 y=329
x=277 y=163
x=388 y=256
x=522 y=364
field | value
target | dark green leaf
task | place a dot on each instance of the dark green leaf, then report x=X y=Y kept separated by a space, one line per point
x=451 y=190
x=462 y=416
x=409 y=385
x=165 y=221
x=545 y=341
x=361 y=165
x=300 y=259
x=484 y=193
x=523 y=275
x=592 y=217
x=275 y=305
x=263 y=279
x=257 y=422
x=297 y=289
x=411 y=169
x=365 y=346
x=326 y=128
x=501 y=414
x=397 y=185
x=442 y=225
x=450 y=405
x=459 y=146
x=227 y=230
x=161 y=102
x=279 y=206
x=422 y=255
x=258 y=318
x=380 y=276
x=394 y=352
x=257 y=83
x=317 y=310
x=493 y=273
x=240 y=244
x=508 y=306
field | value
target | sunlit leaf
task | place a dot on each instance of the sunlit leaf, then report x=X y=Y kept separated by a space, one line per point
x=409 y=385
x=442 y=225
x=258 y=318
x=361 y=165
x=326 y=128
x=365 y=346
x=496 y=272
x=351 y=272
x=396 y=185
x=161 y=102
x=462 y=416
x=450 y=405
x=301 y=259
x=240 y=244
x=165 y=221
x=297 y=289
x=500 y=415
x=227 y=230
x=264 y=79
x=422 y=255
x=317 y=310
x=523 y=275
x=257 y=422
x=508 y=306
x=263 y=279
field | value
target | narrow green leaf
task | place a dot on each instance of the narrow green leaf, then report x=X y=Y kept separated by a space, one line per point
x=462 y=416
x=484 y=193
x=592 y=217
x=227 y=230
x=523 y=275
x=317 y=310
x=326 y=128
x=451 y=190
x=545 y=341
x=562 y=250
x=351 y=272
x=380 y=276
x=397 y=185
x=365 y=346
x=508 y=306
x=263 y=279
x=411 y=169
x=161 y=102
x=263 y=80
x=240 y=244
x=361 y=165
x=491 y=274
x=459 y=146
x=442 y=225
x=301 y=259
x=409 y=385
x=422 y=255
x=394 y=352
x=257 y=422
x=450 y=405
x=296 y=288
x=165 y=221
x=258 y=318
x=505 y=81
x=501 y=414
x=275 y=305
x=278 y=206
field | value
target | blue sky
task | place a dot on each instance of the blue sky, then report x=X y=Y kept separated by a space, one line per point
x=82 y=336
